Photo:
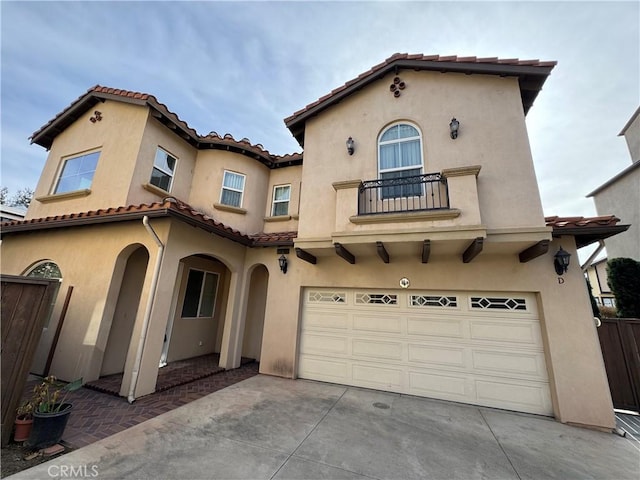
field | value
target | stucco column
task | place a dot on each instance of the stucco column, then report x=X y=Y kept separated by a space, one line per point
x=346 y=202
x=463 y=192
x=231 y=338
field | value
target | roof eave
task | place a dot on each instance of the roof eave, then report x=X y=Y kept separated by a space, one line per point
x=586 y=235
x=296 y=123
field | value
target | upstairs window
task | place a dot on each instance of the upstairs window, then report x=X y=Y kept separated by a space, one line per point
x=281 y=197
x=200 y=294
x=400 y=155
x=163 y=168
x=77 y=173
x=232 y=189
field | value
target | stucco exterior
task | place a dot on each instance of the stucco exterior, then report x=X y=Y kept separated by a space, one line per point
x=130 y=266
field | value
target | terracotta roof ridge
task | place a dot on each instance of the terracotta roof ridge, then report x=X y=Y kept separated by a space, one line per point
x=579 y=221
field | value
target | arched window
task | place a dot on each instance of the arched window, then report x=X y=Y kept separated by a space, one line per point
x=45 y=270
x=400 y=155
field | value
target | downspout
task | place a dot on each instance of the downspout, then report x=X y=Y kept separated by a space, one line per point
x=147 y=313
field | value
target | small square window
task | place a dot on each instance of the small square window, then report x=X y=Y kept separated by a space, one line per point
x=164 y=166
x=281 y=197
x=77 y=173
x=232 y=189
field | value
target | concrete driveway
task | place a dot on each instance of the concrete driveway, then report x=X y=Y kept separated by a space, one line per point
x=266 y=427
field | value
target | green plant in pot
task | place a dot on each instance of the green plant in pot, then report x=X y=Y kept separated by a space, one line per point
x=50 y=411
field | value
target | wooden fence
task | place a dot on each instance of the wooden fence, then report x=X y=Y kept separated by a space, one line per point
x=25 y=306
x=620 y=343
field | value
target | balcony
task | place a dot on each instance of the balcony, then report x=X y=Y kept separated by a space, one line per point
x=405 y=194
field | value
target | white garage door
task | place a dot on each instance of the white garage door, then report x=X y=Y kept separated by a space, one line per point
x=478 y=348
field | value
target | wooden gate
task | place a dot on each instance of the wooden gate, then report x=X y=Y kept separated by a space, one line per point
x=620 y=343
x=26 y=303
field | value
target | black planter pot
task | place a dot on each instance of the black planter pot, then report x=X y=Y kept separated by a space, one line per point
x=48 y=428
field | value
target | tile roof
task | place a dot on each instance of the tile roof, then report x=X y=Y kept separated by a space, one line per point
x=533 y=71
x=45 y=135
x=586 y=230
x=169 y=207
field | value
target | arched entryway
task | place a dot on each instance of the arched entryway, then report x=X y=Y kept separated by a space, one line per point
x=130 y=271
x=196 y=324
x=254 y=322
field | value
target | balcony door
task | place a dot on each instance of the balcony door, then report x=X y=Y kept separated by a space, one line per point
x=400 y=156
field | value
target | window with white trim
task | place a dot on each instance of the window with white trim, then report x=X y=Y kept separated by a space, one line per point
x=200 y=294
x=164 y=167
x=232 y=189
x=281 y=197
x=77 y=173
x=400 y=155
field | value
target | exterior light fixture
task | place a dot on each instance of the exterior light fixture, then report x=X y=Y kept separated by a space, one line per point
x=454 y=126
x=283 y=263
x=561 y=261
x=350 y=146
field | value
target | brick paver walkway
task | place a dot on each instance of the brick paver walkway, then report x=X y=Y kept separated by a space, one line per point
x=98 y=415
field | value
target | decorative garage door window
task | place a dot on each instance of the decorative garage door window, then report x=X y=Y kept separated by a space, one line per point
x=496 y=303
x=376 y=298
x=432 y=301
x=327 y=297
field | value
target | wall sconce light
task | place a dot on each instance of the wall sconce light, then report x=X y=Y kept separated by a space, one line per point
x=561 y=261
x=454 y=126
x=350 y=146
x=283 y=263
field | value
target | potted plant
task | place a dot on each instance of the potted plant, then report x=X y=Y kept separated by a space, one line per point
x=50 y=411
x=24 y=421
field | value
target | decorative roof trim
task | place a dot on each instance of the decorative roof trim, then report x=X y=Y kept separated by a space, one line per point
x=47 y=133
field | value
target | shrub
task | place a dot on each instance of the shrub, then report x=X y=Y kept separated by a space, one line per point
x=624 y=279
x=607 y=312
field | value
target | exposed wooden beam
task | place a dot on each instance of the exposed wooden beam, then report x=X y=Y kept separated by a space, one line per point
x=426 y=251
x=382 y=252
x=473 y=250
x=306 y=256
x=534 y=251
x=344 y=253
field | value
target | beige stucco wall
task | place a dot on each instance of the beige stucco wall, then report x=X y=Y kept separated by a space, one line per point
x=157 y=135
x=207 y=187
x=117 y=136
x=492 y=135
x=622 y=199
x=88 y=260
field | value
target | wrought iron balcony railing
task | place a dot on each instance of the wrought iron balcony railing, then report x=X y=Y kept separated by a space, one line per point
x=404 y=194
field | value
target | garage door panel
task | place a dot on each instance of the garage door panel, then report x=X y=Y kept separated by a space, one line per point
x=324 y=344
x=377 y=323
x=327 y=370
x=322 y=319
x=436 y=327
x=527 y=364
x=451 y=387
x=378 y=376
x=432 y=355
x=377 y=349
x=531 y=398
x=525 y=331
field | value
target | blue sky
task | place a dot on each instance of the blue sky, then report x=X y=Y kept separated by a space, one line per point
x=242 y=67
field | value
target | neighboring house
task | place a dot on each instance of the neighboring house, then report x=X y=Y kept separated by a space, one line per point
x=597 y=276
x=8 y=213
x=622 y=193
x=415 y=258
